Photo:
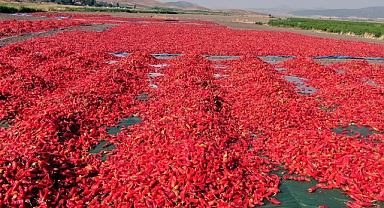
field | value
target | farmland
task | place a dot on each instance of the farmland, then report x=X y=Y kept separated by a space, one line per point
x=334 y=26
x=150 y=112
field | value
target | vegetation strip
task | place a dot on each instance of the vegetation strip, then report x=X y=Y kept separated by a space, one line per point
x=367 y=29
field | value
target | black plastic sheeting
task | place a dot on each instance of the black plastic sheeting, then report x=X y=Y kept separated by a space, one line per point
x=106 y=28
x=170 y=55
x=349 y=57
x=165 y=55
x=277 y=57
x=300 y=84
x=222 y=57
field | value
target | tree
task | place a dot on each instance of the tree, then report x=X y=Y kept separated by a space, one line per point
x=88 y=2
x=66 y=2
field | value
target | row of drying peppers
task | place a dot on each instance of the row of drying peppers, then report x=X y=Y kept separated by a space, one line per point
x=70 y=15
x=20 y=27
x=203 y=141
x=205 y=38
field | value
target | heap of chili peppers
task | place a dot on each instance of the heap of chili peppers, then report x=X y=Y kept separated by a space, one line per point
x=19 y=27
x=212 y=132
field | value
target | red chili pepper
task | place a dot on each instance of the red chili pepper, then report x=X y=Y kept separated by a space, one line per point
x=15 y=186
x=274 y=201
x=323 y=186
x=18 y=202
x=70 y=203
x=311 y=190
x=94 y=201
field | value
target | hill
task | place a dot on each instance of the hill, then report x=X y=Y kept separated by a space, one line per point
x=367 y=12
x=274 y=10
x=181 y=5
x=144 y=3
x=241 y=12
x=187 y=5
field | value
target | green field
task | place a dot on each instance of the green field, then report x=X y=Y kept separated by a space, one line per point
x=370 y=29
x=14 y=8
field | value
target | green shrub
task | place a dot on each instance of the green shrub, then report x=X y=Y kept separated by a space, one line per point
x=7 y=9
x=24 y=9
x=14 y=8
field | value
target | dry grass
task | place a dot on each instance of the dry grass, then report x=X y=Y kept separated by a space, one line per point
x=350 y=34
x=369 y=35
x=318 y=31
x=244 y=21
x=366 y=35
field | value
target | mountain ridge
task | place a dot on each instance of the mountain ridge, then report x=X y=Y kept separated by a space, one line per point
x=187 y=5
x=182 y=5
x=147 y=3
x=282 y=9
x=366 y=12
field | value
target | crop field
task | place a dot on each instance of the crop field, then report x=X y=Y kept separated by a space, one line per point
x=373 y=29
x=185 y=113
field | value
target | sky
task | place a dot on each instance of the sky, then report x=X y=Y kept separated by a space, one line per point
x=308 y=4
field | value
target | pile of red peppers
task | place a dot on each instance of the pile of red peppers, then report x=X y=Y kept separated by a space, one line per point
x=212 y=132
x=20 y=27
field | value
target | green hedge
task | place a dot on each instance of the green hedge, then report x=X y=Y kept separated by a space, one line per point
x=14 y=8
x=334 y=26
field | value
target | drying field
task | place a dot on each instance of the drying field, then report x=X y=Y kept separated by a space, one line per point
x=246 y=22
x=186 y=113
